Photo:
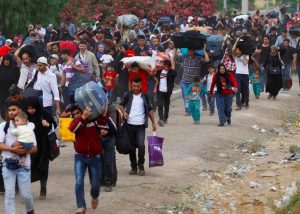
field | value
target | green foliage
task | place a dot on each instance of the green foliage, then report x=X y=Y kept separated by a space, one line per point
x=16 y=15
x=293 y=207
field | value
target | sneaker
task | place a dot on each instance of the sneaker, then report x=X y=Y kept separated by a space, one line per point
x=229 y=121
x=187 y=114
x=94 y=203
x=108 y=188
x=160 y=123
x=80 y=211
x=141 y=171
x=221 y=124
x=238 y=108
x=133 y=172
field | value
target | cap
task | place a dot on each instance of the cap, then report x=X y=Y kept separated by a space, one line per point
x=54 y=56
x=152 y=36
x=8 y=41
x=42 y=60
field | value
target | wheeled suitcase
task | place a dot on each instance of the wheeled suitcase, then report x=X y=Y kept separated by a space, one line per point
x=189 y=39
x=93 y=96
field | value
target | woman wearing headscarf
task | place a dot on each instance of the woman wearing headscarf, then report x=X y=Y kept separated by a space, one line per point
x=9 y=75
x=273 y=68
x=226 y=87
x=43 y=122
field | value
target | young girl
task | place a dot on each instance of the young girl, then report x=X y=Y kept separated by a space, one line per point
x=193 y=93
x=226 y=87
x=166 y=78
x=109 y=77
x=255 y=79
x=208 y=81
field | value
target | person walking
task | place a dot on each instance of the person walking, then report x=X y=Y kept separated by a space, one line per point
x=136 y=109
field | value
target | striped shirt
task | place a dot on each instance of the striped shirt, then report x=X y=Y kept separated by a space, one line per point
x=69 y=71
x=191 y=67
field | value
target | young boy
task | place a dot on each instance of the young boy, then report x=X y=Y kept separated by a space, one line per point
x=166 y=78
x=255 y=79
x=109 y=77
x=24 y=132
x=207 y=82
x=193 y=94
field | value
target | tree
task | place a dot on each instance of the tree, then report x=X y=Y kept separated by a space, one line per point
x=107 y=10
x=16 y=15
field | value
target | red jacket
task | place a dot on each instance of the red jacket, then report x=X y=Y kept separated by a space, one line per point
x=226 y=91
x=87 y=137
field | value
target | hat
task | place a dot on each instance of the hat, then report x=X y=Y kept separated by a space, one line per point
x=8 y=41
x=152 y=36
x=54 y=56
x=42 y=60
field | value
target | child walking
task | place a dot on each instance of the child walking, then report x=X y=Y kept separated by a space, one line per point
x=109 y=77
x=207 y=81
x=193 y=93
x=255 y=79
x=24 y=132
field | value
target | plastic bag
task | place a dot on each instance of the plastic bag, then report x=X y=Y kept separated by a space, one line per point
x=64 y=132
x=155 y=150
x=145 y=62
x=128 y=20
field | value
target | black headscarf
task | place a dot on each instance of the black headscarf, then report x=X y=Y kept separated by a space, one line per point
x=219 y=75
x=12 y=62
x=35 y=103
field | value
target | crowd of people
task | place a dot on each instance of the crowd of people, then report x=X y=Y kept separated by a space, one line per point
x=46 y=63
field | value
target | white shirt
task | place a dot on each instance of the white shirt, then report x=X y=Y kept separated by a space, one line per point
x=209 y=79
x=47 y=82
x=184 y=28
x=9 y=139
x=241 y=68
x=106 y=58
x=24 y=133
x=137 y=111
x=58 y=71
x=163 y=86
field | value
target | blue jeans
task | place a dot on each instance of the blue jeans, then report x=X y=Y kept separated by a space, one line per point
x=224 y=106
x=23 y=176
x=109 y=95
x=108 y=144
x=298 y=72
x=81 y=164
x=194 y=106
x=243 y=89
x=286 y=72
x=211 y=103
x=184 y=86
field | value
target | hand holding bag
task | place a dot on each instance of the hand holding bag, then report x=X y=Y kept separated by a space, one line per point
x=155 y=150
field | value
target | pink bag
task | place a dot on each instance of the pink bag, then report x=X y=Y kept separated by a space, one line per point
x=155 y=150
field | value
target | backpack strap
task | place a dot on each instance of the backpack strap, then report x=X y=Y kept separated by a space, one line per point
x=6 y=127
x=31 y=83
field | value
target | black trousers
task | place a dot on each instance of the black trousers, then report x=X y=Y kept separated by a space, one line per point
x=163 y=104
x=137 y=138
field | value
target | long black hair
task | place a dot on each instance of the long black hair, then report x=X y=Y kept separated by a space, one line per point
x=219 y=75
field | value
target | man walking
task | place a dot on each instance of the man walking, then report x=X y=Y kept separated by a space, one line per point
x=11 y=170
x=136 y=109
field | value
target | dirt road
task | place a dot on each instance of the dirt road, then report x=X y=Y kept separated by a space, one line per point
x=188 y=150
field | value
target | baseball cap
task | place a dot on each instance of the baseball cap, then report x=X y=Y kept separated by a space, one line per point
x=8 y=41
x=42 y=60
x=54 y=56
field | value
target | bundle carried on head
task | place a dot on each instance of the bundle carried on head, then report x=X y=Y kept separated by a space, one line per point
x=189 y=39
x=246 y=44
x=127 y=20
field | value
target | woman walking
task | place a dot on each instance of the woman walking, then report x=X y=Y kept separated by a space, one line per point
x=43 y=122
x=273 y=67
x=226 y=87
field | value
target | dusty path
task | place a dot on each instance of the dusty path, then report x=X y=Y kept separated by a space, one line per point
x=188 y=150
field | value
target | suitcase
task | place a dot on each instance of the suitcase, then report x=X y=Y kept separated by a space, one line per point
x=93 y=96
x=189 y=39
x=214 y=44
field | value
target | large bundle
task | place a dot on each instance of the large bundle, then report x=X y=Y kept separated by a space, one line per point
x=128 y=20
x=189 y=39
x=92 y=95
x=295 y=30
x=214 y=44
x=247 y=45
x=145 y=62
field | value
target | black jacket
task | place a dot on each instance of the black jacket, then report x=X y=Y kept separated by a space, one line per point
x=127 y=104
x=170 y=79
